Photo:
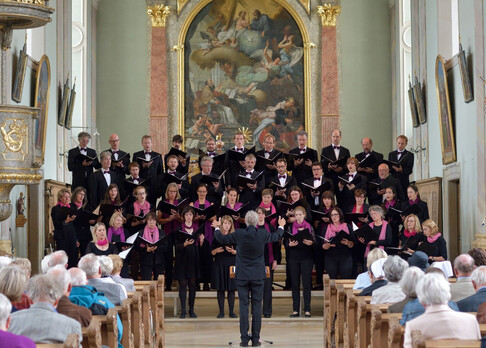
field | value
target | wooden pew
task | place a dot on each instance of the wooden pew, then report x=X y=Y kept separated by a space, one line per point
x=92 y=334
x=418 y=341
x=147 y=317
x=125 y=313
x=350 y=314
x=137 y=322
x=72 y=341
x=340 y=299
x=326 y=311
x=395 y=333
x=380 y=326
x=109 y=328
x=159 y=309
x=363 y=332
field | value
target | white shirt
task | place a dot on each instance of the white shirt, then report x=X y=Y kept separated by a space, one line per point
x=115 y=154
x=84 y=152
x=336 y=151
x=147 y=156
x=283 y=180
x=107 y=176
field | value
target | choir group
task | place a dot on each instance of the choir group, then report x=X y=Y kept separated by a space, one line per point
x=338 y=208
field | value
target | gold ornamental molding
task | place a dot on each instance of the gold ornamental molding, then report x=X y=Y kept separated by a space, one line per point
x=158 y=15
x=33 y=2
x=306 y=5
x=180 y=5
x=20 y=178
x=328 y=14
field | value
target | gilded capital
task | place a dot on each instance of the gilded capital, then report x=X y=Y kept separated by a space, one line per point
x=158 y=15
x=328 y=14
x=33 y=2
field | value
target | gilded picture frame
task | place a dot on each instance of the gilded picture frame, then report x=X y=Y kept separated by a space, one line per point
x=419 y=101
x=445 y=116
x=18 y=84
x=466 y=81
x=41 y=101
x=216 y=64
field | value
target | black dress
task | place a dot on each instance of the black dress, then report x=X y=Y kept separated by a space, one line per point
x=112 y=249
x=220 y=279
x=83 y=233
x=186 y=259
x=65 y=234
x=424 y=210
x=439 y=246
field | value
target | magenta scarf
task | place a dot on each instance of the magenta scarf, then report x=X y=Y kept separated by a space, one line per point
x=137 y=208
x=409 y=234
x=433 y=238
x=332 y=230
x=63 y=205
x=208 y=229
x=195 y=226
x=102 y=242
x=271 y=258
x=174 y=224
x=390 y=204
x=78 y=205
x=296 y=226
x=272 y=210
x=413 y=202
x=381 y=237
x=116 y=232
x=237 y=206
x=151 y=235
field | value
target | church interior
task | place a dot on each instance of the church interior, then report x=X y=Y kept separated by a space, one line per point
x=371 y=68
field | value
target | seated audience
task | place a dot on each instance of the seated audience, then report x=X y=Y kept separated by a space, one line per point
x=26 y=267
x=58 y=257
x=479 y=256
x=472 y=303
x=419 y=259
x=377 y=277
x=115 y=273
x=41 y=322
x=439 y=321
x=7 y=339
x=4 y=261
x=363 y=280
x=408 y=283
x=463 y=287
x=106 y=266
x=444 y=266
x=394 y=267
x=90 y=264
x=12 y=282
x=45 y=263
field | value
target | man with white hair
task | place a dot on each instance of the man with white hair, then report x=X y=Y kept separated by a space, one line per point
x=65 y=306
x=90 y=264
x=377 y=277
x=472 y=303
x=58 y=258
x=439 y=322
x=463 y=287
x=394 y=267
x=4 y=261
x=250 y=270
x=8 y=339
x=41 y=322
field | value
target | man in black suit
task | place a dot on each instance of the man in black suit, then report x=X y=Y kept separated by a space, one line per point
x=150 y=167
x=234 y=167
x=101 y=179
x=250 y=270
x=404 y=159
x=172 y=175
x=215 y=190
x=345 y=193
x=81 y=167
x=212 y=151
x=183 y=165
x=119 y=159
x=281 y=178
x=472 y=303
x=133 y=181
x=369 y=160
x=318 y=179
x=301 y=169
x=268 y=152
x=376 y=189
x=333 y=153
x=252 y=194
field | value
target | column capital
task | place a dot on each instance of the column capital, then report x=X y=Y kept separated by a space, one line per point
x=158 y=15
x=328 y=14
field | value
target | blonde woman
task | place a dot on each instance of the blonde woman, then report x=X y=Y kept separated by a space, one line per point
x=100 y=245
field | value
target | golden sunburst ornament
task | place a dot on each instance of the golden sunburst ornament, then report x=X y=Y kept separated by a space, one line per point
x=246 y=133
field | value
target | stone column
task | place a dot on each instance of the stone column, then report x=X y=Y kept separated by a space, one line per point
x=329 y=71
x=158 y=77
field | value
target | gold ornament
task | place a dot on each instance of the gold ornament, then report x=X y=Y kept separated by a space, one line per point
x=15 y=137
x=158 y=15
x=328 y=14
x=246 y=133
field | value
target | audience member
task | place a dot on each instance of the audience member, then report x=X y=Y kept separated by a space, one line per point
x=419 y=259
x=4 y=261
x=472 y=303
x=12 y=282
x=408 y=284
x=393 y=267
x=7 y=339
x=58 y=257
x=106 y=266
x=377 y=277
x=363 y=280
x=439 y=321
x=45 y=263
x=479 y=256
x=24 y=265
x=115 y=273
x=463 y=287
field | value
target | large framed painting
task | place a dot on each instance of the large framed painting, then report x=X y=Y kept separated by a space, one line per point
x=445 y=116
x=41 y=101
x=243 y=67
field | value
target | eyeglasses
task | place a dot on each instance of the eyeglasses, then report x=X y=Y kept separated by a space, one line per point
x=334 y=214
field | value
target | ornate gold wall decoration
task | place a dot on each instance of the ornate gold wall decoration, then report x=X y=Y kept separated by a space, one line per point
x=14 y=138
x=246 y=133
x=306 y=5
x=328 y=14
x=13 y=178
x=33 y=2
x=158 y=15
x=180 y=5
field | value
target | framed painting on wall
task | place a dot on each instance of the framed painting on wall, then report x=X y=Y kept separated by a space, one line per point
x=445 y=117
x=466 y=81
x=413 y=106
x=18 y=84
x=41 y=101
x=419 y=101
x=243 y=67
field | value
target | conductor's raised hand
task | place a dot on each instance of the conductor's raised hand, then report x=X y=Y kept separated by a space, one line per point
x=281 y=221
x=216 y=223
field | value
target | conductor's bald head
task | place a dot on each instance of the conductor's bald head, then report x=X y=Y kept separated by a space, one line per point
x=251 y=218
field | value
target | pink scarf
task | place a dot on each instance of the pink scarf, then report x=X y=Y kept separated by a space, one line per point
x=390 y=204
x=102 y=242
x=381 y=237
x=413 y=202
x=63 y=205
x=272 y=210
x=296 y=226
x=332 y=230
x=236 y=223
x=78 y=205
x=355 y=209
x=433 y=238
x=152 y=235
x=116 y=232
x=409 y=234
x=195 y=226
x=137 y=208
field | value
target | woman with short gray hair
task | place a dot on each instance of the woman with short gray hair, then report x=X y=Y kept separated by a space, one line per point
x=394 y=267
x=408 y=284
x=12 y=283
x=382 y=229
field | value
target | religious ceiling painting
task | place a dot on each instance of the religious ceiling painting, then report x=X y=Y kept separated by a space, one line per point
x=243 y=70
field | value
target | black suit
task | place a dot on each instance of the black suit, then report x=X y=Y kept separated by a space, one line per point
x=472 y=303
x=126 y=161
x=328 y=152
x=151 y=173
x=250 y=273
x=302 y=171
x=307 y=192
x=252 y=197
x=165 y=179
x=180 y=168
x=81 y=174
x=233 y=168
x=214 y=196
x=98 y=186
x=373 y=163
x=346 y=196
x=260 y=166
x=275 y=179
x=375 y=199
x=406 y=161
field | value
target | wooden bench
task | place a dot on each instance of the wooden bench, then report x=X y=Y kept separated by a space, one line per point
x=72 y=341
x=137 y=322
x=363 y=326
x=125 y=313
x=92 y=334
x=109 y=327
x=418 y=341
x=395 y=333
x=380 y=324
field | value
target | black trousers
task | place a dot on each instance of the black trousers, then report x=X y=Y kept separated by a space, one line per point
x=298 y=269
x=319 y=262
x=339 y=265
x=169 y=261
x=267 y=295
x=147 y=270
x=255 y=289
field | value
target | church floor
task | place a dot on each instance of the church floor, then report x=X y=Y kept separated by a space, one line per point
x=208 y=331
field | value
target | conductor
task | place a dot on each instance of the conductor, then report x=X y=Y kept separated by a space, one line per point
x=250 y=270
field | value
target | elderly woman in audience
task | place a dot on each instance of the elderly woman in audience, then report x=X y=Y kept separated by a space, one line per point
x=408 y=283
x=363 y=280
x=394 y=267
x=479 y=256
x=377 y=277
x=26 y=267
x=8 y=339
x=106 y=266
x=115 y=273
x=439 y=322
x=58 y=258
x=12 y=283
